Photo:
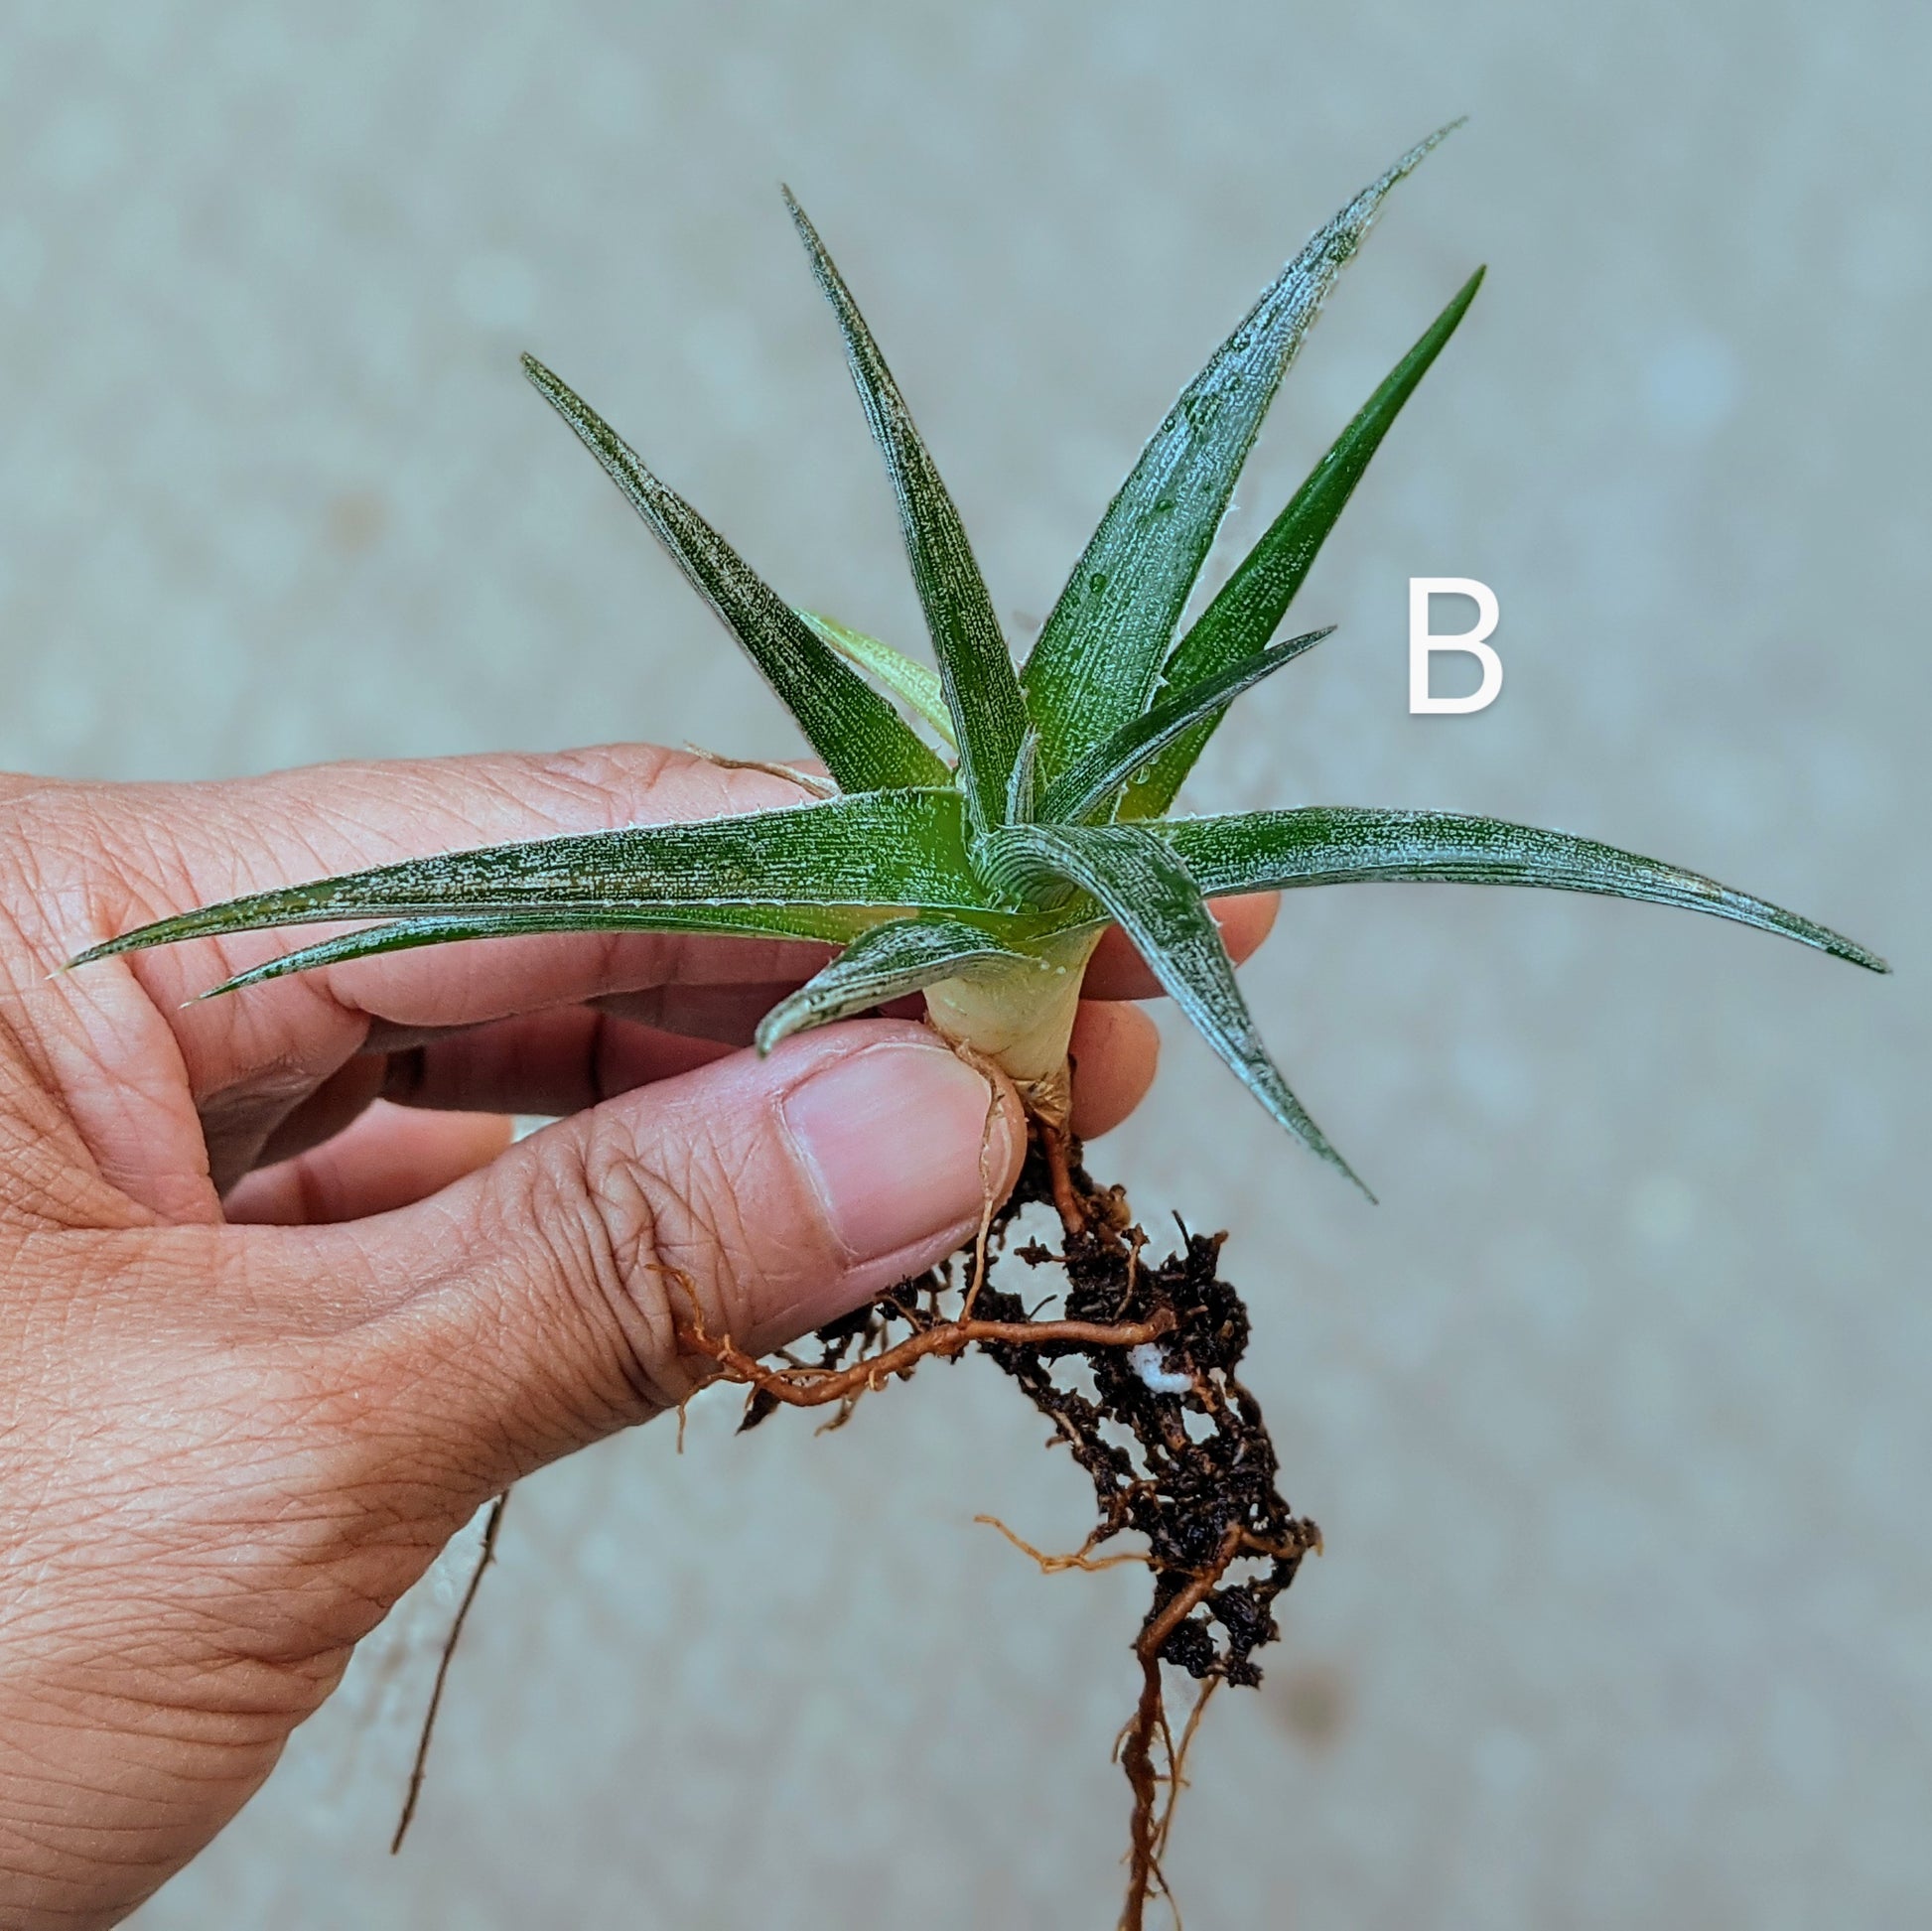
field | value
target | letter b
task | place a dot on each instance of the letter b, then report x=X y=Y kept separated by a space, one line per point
x=1422 y=644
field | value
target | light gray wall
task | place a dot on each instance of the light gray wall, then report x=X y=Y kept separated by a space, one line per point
x=1615 y=1412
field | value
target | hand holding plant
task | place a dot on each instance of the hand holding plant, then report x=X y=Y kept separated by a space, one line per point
x=981 y=826
x=229 y=1448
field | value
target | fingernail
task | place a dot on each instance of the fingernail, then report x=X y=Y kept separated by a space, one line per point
x=894 y=1137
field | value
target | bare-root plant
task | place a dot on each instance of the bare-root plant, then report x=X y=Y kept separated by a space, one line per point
x=979 y=826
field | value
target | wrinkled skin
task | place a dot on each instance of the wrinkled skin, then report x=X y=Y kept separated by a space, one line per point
x=283 y=1305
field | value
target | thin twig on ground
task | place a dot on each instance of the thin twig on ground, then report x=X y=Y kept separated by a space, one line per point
x=492 y=1528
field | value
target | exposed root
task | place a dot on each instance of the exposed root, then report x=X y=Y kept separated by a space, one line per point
x=1153 y=1821
x=1066 y=1204
x=814 y=1386
x=492 y=1528
x=1161 y=1346
x=995 y=1091
x=1136 y=1757
x=1174 y=1446
x=1081 y=1557
x=1176 y=1778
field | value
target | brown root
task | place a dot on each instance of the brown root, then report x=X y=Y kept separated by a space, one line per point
x=1081 y=1557
x=1176 y=1778
x=1152 y=1821
x=1059 y=1175
x=1152 y=1411
x=1158 y=1347
x=989 y=1201
x=812 y=1386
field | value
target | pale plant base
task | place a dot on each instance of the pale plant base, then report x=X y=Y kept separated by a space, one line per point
x=1020 y=1019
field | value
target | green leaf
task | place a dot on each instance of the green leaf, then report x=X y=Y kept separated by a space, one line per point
x=1093 y=779
x=1101 y=649
x=887 y=962
x=906 y=678
x=1257 y=851
x=743 y=921
x=975 y=670
x=1148 y=891
x=873 y=848
x=1255 y=598
x=1022 y=786
x=865 y=744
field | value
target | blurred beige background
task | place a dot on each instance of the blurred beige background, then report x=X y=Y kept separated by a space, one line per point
x=1616 y=1411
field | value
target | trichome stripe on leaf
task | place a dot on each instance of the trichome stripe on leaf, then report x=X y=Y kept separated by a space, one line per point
x=1145 y=887
x=402 y=935
x=1269 y=851
x=905 y=956
x=1097 y=659
x=884 y=849
x=865 y=744
x=1093 y=779
x=1255 y=598
x=989 y=716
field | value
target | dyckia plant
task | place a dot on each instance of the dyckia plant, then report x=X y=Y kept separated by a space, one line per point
x=981 y=827
x=976 y=832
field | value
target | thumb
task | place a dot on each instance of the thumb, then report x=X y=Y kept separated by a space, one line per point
x=537 y=1303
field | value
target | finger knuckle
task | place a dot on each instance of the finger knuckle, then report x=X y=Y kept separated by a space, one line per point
x=603 y=1214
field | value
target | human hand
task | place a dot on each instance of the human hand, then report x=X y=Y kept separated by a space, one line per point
x=283 y=1307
